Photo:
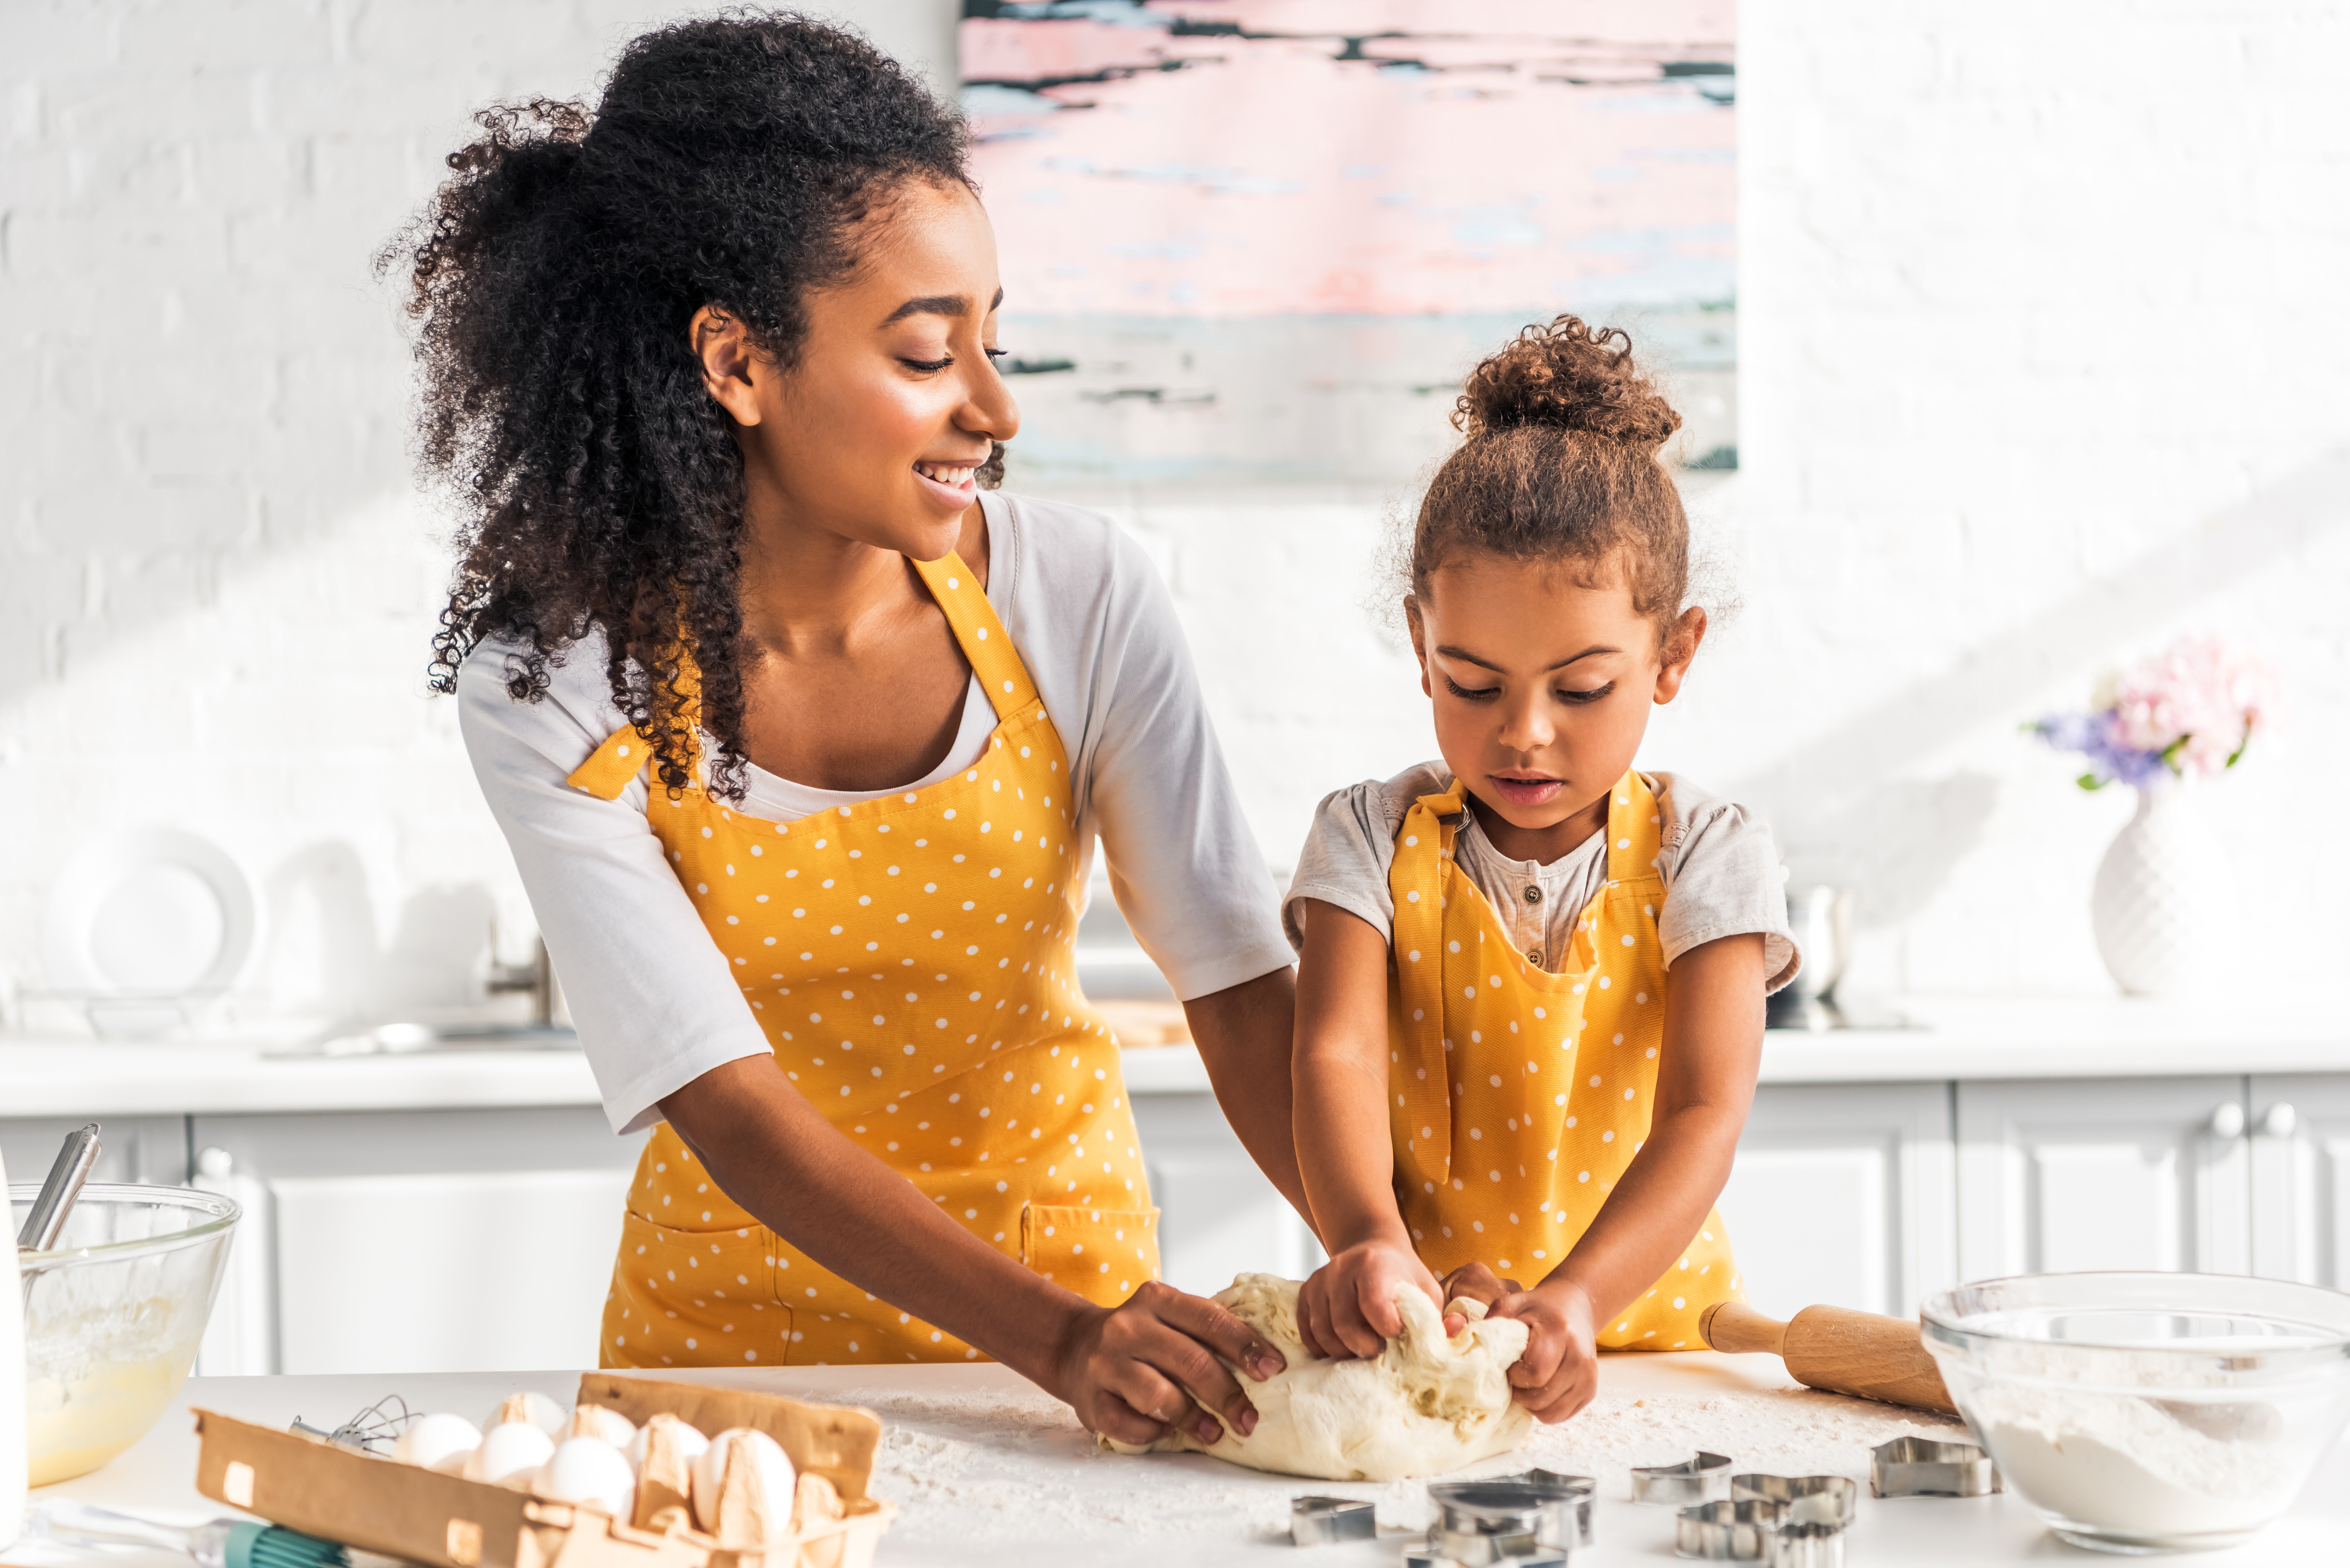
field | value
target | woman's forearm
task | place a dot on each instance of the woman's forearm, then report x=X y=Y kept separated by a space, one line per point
x=1243 y=1032
x=772 y=1152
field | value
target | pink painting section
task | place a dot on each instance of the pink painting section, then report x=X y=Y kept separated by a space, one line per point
x=1494 y=156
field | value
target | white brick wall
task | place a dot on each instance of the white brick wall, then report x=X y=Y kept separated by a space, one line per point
x=2043 y=361
x=215 y=586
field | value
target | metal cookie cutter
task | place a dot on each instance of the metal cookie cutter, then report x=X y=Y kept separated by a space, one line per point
x=1702 y=1478
x=1805 y=1546
x=1479 y=1523
x=1921 y=1467
x=1727 y=1531
x=1826 y=1500
x=1320 y=1520
x=1566 y=1505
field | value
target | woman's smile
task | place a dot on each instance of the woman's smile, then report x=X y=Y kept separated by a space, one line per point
x=951 y=481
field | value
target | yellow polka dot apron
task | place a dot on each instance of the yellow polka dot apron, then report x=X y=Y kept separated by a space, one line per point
x=1520 y=1094
x=910 y=960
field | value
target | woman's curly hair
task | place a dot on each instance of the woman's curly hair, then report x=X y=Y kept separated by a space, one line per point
x=555 y=276
x=1559 y=462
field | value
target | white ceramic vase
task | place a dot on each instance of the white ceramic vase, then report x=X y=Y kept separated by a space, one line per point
x=2156 y=906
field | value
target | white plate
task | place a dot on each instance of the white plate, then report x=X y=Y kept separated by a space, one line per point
x=154 y=912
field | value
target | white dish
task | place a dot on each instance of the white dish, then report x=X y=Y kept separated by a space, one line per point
x=155 y=913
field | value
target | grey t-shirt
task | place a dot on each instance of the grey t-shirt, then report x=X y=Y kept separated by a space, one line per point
x=1722 y=871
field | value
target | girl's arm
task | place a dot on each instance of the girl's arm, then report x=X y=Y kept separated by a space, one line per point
x=1344 y=1154
x=1130 y=1371
x=1705 y=1083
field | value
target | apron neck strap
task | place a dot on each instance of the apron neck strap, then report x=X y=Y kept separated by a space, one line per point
x=1416 y=881
x=980 y=633
x=1634 y=832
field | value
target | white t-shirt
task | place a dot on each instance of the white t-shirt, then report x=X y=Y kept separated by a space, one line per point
x=1722 y=871
x=655 y=1001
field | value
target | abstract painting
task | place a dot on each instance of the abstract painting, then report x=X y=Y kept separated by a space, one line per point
x=1261 y=240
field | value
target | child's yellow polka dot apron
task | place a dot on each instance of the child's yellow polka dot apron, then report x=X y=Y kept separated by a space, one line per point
x=912 y=961
x=1519 y=1095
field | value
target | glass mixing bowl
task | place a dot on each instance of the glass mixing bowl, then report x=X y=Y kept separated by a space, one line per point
x=2145 y=1412
x=112 y=1317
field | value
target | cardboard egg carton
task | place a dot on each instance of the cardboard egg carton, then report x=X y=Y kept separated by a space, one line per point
x=404 y=1510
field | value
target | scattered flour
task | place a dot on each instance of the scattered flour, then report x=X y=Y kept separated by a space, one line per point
x=1007 y=1467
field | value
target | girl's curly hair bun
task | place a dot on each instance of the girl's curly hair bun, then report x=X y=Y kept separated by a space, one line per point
x=1558 y=462
x=1569 y=377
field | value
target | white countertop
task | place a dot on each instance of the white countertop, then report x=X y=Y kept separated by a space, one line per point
x=1971 y=1038
x=1084 y=1505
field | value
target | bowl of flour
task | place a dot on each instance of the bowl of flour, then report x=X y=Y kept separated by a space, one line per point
x=2148 y=1412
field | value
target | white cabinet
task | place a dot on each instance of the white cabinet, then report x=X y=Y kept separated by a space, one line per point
x=2109 y=1173
x=414 y=1241
x=1218 y=1215
x=2299 y=1128
x=1845 y=1194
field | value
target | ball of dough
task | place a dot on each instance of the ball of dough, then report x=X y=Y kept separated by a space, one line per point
x=1425 y=1406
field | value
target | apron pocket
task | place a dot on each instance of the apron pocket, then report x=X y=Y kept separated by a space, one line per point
x=1103 y=1254
x=701 y=1298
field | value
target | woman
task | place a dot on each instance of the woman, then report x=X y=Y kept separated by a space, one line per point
x=801 y=744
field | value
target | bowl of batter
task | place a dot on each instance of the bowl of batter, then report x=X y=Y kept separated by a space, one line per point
x=113 y=1314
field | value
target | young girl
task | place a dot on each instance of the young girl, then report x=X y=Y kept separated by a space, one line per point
x=1530 y=1005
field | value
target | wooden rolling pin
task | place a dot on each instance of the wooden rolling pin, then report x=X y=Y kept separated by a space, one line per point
x=1837 y=1349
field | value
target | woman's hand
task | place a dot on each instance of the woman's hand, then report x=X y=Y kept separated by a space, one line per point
x=1348 y=1307
x=1132 y=1372
x=1559 y=1371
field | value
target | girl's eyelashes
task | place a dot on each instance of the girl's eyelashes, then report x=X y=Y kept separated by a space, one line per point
x=1487 y=693
x=996 y=353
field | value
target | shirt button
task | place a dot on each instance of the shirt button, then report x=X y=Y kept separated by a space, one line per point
x=1534 y=956
x=1534 y=894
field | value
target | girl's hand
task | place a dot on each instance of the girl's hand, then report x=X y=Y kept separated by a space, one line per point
x=1131 y=1372
x=1559 y=1371
x=1348 y=1307
x=1476 y=1283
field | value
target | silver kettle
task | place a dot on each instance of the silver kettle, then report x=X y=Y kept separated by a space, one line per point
x=1821 y=922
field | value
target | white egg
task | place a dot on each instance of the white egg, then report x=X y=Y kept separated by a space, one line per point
x=532 y=1407
x=588 y=1470
x=509 y=1454
x=435 y=1439
x=604 y=1423
x=683 y=1438
x=742 y=1486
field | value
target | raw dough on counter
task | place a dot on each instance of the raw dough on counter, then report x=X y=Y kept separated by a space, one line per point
x=1426 y=1406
